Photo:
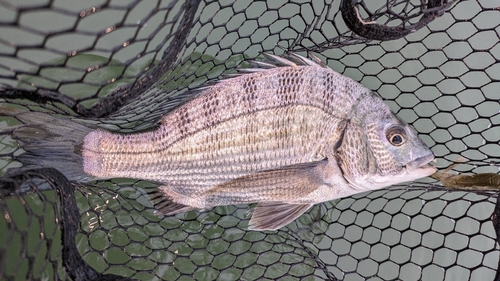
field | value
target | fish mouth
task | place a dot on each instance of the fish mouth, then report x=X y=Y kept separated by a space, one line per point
x=421 y=163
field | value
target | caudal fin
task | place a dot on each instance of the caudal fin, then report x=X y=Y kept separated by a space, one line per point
x=49 y=141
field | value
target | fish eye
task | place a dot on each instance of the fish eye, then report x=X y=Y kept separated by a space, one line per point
x=396 y=135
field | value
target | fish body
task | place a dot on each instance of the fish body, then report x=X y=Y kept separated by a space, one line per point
x=286 y=135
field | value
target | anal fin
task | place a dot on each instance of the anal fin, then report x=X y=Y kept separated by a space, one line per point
x=274 y=215
x=165 y=205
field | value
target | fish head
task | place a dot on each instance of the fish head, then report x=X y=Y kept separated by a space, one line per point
x=380 y=149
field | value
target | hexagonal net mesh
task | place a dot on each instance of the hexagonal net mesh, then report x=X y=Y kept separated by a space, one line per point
x=113 y=64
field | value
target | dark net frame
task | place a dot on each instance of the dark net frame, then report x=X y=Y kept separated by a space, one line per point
x=115 y=63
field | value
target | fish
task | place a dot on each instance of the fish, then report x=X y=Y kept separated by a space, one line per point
x=481 y=181
x=287 y=133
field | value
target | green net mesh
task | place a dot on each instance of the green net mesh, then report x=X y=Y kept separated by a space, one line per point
x=113 y=63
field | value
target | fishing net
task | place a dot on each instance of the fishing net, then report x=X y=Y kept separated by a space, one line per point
x=115 y=63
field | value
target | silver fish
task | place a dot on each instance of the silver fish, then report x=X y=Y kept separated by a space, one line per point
x=286 y=134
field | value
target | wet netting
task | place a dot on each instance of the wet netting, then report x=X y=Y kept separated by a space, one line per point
x=114 y=63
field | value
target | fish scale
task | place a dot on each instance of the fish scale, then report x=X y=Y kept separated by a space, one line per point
x=284 y=137
x=232 y=103
x=229 y=99
x=227 y=146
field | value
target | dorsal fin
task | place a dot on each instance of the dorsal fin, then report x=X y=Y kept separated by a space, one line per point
x=317 y=60
x=300 y=60
x=288 y=59
x=292 y=59
x=279 y=60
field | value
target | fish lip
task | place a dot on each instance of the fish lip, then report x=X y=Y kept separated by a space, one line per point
x=421 y=162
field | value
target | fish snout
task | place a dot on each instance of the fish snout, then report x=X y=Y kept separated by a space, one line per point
x=421 y=162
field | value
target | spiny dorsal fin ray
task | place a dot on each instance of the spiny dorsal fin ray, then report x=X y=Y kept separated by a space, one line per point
x=288 y=59
x=317 y=60
x=249 y=70
x=300 y=60
x=261 y=64
x=279 y=60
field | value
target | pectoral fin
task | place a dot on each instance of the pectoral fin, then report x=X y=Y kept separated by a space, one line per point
x=285 y=184
x=272 y=216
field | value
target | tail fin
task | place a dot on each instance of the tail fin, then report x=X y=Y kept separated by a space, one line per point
x=49 y=141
